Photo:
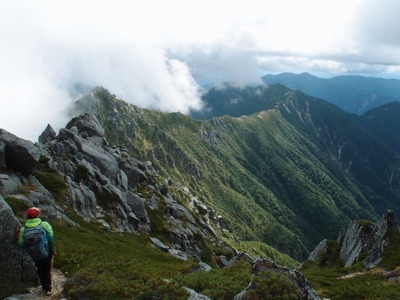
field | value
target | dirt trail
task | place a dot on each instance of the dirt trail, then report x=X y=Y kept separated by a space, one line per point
x=351 y=275
x=36 y=293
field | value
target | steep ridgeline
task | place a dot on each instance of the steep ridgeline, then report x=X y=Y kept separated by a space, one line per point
x=76 y=174
x=289 y=175
x=105 y=185
x=384 y=121
x=354 y=94
x=76 y=171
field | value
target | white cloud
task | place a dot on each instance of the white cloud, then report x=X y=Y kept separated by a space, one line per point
x=156 y=53
x=58 y=47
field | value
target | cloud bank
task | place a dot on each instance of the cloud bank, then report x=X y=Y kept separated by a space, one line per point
x=158 y=54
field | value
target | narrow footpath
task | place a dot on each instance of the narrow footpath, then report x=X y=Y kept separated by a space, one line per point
x=36 y=293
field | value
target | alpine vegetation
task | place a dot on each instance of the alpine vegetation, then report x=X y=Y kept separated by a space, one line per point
x=153 y=205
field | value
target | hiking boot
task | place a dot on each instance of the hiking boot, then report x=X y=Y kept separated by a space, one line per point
x=48 y=292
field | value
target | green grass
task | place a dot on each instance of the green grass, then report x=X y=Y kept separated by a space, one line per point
x=53 y=182
x=370 y=285
x=263 y=250
x=391 y=254
x=103 y=265
x=220 y=283
x=18 y=206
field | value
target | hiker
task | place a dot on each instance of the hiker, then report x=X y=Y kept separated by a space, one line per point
x=37 y=237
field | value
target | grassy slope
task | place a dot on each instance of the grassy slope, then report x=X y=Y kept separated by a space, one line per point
x=105 y=265
x=365 y=284
x=266 y=175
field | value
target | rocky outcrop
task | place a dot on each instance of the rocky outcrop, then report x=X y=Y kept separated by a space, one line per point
x=17 y=154
x=319 y=250
x=367 y=238
x=292 y=282
x=15 y=264
x=361 y=239
x=106 y=185
x=47 y=135
x=109 y=186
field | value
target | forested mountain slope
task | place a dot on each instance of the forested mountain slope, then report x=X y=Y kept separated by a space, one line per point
x=289 y=175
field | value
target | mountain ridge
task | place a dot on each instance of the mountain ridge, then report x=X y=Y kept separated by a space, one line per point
x=224 y=144
x=288 y=175
x=355 y=94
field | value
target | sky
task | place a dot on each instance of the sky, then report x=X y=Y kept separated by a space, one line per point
x=159 y=54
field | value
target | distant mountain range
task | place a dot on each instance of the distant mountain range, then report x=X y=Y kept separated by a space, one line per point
x=355 y=94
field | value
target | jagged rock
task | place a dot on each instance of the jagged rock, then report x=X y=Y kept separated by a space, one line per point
x=87 y=126
x=362 y=237
x=101 y=159
x=9 y=183
x=20 y=155
x=261 y=267
x=107 y=183
x=209 y=136
x=199 y=206
x=204 y=267
x=240 y=256
x=320 y=249
x=178 y=254
x=137 y=205
x=82 y=200
x=196 y=296
x=134 y=174
x=353 y=243
x=158 y=244
x=104 y=224
x=47 y=135
x=15 y=264
x=180 y=212
x=367 y=238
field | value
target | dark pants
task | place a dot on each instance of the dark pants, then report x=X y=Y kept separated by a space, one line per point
x=44 y=272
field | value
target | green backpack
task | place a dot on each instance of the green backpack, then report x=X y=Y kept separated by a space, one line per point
x=35 y=241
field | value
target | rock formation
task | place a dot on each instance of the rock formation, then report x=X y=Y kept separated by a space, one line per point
x=15 y=264
x=18 y=154
x=101 y=183
x=361 y=238
x=262 y=269
x=77 y=169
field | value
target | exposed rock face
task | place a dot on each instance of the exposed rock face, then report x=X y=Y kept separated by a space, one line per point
x=47 y=135
x=15 y=264
x=321 y=248
x=360 y=238
x=103 y=184
x=20 y=155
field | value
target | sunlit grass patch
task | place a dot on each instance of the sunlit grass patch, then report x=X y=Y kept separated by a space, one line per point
x=103 y=265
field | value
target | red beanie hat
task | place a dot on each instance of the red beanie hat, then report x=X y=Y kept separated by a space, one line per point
x=33 y=212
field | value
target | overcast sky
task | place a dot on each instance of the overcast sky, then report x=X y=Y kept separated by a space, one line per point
x=158 y=53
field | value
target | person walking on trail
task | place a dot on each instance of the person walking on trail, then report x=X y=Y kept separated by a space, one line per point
x=37 y=238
